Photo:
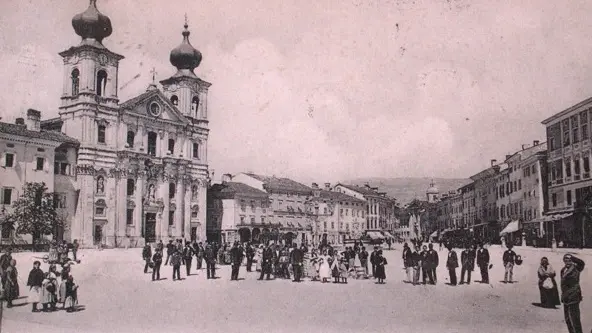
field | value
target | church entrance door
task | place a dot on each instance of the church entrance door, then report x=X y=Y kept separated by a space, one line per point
x=150 y=228
x=98 y=234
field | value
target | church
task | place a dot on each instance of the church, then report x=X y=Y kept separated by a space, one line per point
x=140 y=171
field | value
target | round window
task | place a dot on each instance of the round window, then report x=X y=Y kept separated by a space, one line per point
x=154 y=109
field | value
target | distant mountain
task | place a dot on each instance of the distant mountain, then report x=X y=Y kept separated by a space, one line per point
x=407 y=189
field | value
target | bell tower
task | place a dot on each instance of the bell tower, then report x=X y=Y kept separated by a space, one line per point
x=90 y=76
x=184 y=89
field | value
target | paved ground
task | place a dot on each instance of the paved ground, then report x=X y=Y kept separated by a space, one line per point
x=118 y=297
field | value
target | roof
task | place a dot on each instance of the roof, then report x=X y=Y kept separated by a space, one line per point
x=582 y=104
x=360 y=189
x=230 y=189
x=337 y=196
x=280 y=184
x=528 y=151
x=21 y=130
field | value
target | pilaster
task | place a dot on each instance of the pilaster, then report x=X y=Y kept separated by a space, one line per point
x=163 y=222
x=138 y=218
x=187 y=206
x=179 y=218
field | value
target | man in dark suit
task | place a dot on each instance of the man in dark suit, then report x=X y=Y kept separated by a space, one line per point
x=452 y=264
x=571 y=292
x=433 y=262
x=147 y=256
x=509 y=259
x=425 y=264
x=483 y=263
x=187 y=257
x=296 y=259
x=266 y=262
x=250 y=252
x=373 y=258
x=467 y=258
x=210 y=258
x=236 y=257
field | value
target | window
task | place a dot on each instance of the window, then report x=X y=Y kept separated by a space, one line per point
x=194 y=106
x=152 y=143
x=577 y=167
x=252 y=220
x=325 y=211
x=325 y=225
x=61 y=168
x=100 y=211
x=534 y=169
x=9 y=160
x=585 y=134
x=101 y=83
x=551 y=144
x=171 y=217
x=171 y=146
x=586 y=164
x=568 y=194
x=101 y=134
x=566 y=139
x=554 y=199
x=172 y=190
x=175 y=100
x=332 y=225
x=262 y=219
x=195 y=150
x=129 y=217
x=131 y=186
x=576 y=137
x=40 y=163
x=131 y=136
x=7 y=196
x=75 y=77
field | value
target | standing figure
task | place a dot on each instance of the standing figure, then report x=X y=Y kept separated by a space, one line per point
x=452 y=264
x=425 y=264
x=266 y=262
x=343 y=270
x=71 y=294
x=297 y=260
x=483 y=263
x=324 y=267
x=250 y=253
x=416 y=262
x=373 y=257
x=75 y=247
x=176 y=260
x=49 y=289
x=187 y=257
x=146 y=256
x=259 y=258
x=571 y=293
x=236 y=257
x=509 y=259
x=363 y=255
x=199 y=254
x=4 y=264
x=35 y=283
x=380 y=269
x=11 y=289
x=313 y=265
x=210 y=258
x=170 y=249
x=157 y=260
x=433 y=262
x=467 y=258
x=408 y=262
x=547 y=285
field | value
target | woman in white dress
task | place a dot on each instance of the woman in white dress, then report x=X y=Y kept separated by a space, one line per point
x=258 y=258
x=324 y=267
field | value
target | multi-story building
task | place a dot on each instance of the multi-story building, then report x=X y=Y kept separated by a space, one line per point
x=142 y=166
x=379 y=207
x=30 y=154
x=289 y=201
x=456 y=201
x=534 y=183
x=239 y=212
x=337 y=216
x=568 y=159
x=486 y=222
x=468 y=205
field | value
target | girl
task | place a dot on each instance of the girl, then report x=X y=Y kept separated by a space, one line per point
x=324 y=267
x=380 y=270
x=71 y=294
x=35 y=283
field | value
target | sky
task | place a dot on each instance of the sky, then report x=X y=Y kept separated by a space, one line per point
x=329 y=90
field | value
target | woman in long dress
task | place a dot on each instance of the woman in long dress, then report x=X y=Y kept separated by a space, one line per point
x=50 y=289
x=324 y=267
x=259 y=258
x=380 y=269
x=313 y=266
x=548 y=285
x=35 y=283
x=335 y=267
x=11 y=288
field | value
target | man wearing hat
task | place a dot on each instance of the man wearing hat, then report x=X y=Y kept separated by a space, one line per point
x=509 y=259
x=236 y=257
x=571 y=293
x=483 y=263
x=210 y=258
x=297 y=258
x=451 y=264
x=266 y=262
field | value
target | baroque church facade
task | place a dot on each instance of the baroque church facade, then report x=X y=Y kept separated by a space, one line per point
x=142 y=165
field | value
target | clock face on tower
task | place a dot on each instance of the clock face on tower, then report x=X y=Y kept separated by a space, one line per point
x=154 y=109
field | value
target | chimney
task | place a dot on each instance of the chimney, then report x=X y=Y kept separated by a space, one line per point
x=524 y=146
x=536 y=142
x=226 y=178
x=493 y=162
x=315 y=186
x=20 y=121
x=33 y=120
x=328 y=186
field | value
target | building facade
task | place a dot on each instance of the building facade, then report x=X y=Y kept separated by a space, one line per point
x=141 y=169
x=380 y=209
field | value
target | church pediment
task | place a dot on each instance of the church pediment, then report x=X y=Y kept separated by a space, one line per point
x=154 y=104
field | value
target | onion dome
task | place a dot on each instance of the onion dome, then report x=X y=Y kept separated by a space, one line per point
x=185 y=56
x=91 y=24
x=432 y=189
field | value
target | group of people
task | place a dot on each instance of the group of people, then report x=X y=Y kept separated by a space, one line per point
x=45 y=288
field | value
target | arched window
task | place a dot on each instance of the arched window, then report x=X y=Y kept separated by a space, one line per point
x=172 y=190
x=75 y=81
x=101 y=82
x=194 y=105
x=101 y=137
x=152 y=143
x=131 y=186
x=175 y=100
x=131 y=136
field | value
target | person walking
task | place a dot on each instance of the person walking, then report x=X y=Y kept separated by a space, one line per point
x=157 y=260
x=425 y=265
x=467 y=259
x=210 y=258
x=176 y=260
x=75 y=247
x=509 y=259
x=483 y=263
x=433 y=262
x=187 y=257
x=571 y=292
x=146 y=256
x=452 y=264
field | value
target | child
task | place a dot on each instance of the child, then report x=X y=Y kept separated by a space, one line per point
x=35 y=283
x=71 y=294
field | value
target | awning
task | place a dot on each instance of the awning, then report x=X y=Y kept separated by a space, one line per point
x=549 y=218
x=374 y=235
x=510 y=228
x=388 y=235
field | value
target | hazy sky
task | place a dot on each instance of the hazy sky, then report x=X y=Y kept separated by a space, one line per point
x=332 y=89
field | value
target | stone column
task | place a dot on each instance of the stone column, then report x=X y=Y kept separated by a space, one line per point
x=179 y=216
x=160 y=149
x=163 y=223
x=121 y=218
x=139 y=138
x=187 y=206
x=201 y=195
x=138 y=218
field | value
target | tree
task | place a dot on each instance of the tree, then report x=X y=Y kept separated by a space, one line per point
x=35 y=212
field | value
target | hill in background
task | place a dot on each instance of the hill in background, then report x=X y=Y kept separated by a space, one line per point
x=407 y=189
